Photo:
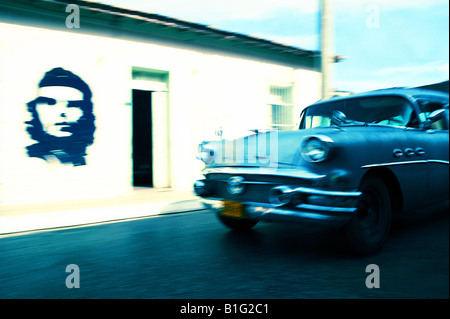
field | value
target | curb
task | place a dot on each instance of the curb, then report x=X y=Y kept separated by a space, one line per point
x=16 y=225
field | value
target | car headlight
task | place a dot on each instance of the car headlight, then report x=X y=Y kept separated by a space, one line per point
x=199 y=188
x=205 y=153
x=316 y=148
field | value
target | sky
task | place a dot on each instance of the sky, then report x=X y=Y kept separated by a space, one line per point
x=386 y=42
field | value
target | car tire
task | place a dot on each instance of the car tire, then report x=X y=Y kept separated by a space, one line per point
x=237 y=224
x=367 y=231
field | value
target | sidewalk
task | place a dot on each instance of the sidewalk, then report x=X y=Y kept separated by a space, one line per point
x=141 y=202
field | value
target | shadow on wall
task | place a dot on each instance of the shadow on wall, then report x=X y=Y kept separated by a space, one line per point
x=62 y=118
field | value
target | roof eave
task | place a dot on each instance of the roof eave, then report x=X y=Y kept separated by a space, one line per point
x=120 y=22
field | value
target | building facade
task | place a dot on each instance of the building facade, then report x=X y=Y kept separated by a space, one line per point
x=123 y=98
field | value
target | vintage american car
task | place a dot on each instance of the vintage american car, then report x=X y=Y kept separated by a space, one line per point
x=355 y=162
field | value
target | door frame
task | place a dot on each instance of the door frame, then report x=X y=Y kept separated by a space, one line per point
x=157 y=82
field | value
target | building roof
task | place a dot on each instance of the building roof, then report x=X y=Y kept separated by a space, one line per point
x=114 y=21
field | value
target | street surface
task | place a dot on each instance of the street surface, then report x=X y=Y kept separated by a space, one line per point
x=191 y=255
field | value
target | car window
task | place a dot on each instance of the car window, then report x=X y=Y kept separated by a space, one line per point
x=386 y=110
x=429 y=106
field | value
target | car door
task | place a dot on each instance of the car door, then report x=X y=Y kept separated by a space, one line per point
x=410 y=151
x=436 y=149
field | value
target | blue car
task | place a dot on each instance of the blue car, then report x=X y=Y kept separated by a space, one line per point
x=354 y=163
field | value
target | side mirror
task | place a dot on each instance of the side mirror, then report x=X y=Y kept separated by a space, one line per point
x=338 y=118
x=434 y=117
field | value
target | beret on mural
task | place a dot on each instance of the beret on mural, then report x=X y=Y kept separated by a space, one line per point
x=61 y=77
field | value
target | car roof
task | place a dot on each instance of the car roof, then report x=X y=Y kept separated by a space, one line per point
x=409 y=93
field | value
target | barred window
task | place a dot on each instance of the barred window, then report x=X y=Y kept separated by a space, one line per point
x=281 y=107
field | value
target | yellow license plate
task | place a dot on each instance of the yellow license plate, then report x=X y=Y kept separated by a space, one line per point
x=233 y=209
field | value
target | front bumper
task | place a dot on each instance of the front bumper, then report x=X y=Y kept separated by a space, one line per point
x=300 y=204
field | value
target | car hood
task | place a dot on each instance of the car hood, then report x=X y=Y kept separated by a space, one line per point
x=271 y=149
x=283 y=149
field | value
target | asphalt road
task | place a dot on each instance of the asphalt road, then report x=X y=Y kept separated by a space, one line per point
x=191 y=255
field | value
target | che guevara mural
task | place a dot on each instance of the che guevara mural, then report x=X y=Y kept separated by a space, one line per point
x=62 y=118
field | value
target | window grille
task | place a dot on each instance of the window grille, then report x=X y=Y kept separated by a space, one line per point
x=281 y=107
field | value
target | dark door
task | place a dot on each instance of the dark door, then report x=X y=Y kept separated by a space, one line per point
x=142 y=138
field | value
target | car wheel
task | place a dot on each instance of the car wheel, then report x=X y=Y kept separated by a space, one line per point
x=237 y=224
x=369 y=228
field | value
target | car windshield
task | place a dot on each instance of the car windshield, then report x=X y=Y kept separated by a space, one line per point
x=385 y=110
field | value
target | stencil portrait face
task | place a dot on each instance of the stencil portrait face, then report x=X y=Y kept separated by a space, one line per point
x=59 y=108
x=62 y=118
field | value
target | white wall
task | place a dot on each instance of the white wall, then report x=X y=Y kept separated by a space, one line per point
x=206 y=91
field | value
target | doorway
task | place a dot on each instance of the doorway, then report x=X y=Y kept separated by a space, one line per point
x=151 y=128
x=142 y=138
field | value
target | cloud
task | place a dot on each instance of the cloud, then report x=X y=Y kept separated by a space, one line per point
x=403 y=75
x=440 y=67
